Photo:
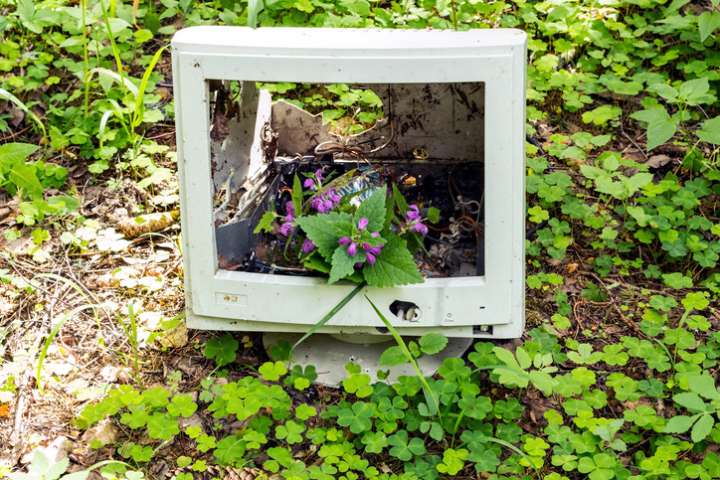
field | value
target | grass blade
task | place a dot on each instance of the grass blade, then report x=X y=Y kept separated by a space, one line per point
x=328 y=315
x=253 y=10
x=18 y=103
x=51 y=336
x=103 y=124
x=433 y=403
x=115 y=77
x=140 y=96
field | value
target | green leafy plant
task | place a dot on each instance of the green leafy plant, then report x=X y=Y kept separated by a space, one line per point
x=703 y=402
x=43 y=468
x=364 y=243
x=29 y=180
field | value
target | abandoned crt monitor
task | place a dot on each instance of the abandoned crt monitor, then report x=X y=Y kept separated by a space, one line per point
x=439 y=113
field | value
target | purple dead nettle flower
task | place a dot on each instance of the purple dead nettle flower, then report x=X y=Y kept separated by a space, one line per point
x=321 y=204
x=413 y=213
x=314 y=182
x=285 y=229
x=371 y=252
x=363 y=223
x=420 y=228
x=308 y=246
x=351 y=246
x=414 y=218
x=325 y=202
x=333 y=195
x=309 y=183
x=289 y=212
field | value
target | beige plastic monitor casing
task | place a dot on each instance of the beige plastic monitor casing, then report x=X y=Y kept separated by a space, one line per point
x=488 y=306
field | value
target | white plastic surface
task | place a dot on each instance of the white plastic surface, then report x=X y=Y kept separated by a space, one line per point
x=221 y=299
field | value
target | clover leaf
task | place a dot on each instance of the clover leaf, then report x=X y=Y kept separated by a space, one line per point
x=222 y=349
x=404 y=448
x=358 y=417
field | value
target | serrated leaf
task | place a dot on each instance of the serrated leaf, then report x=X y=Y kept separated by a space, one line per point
x=373 y=208
x=325 y=230
x=343 y=265
x=432 y=343
x=394 y=266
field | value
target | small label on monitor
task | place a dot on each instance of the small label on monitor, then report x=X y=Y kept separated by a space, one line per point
x=231 y=299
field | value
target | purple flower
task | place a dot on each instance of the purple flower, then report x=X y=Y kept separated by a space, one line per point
x=319 y=174
x=308 y=246
x=370 y=258
x=375 y=234
x=309 y=183
x=352 y=249
x=371 y=251
x=320 y=204
x=333 y=195
x=420 y=228
x=413 y=213
x=358 y=265
x=363 y=223
x=344 y=240
x=290 y=209
x=285 y=229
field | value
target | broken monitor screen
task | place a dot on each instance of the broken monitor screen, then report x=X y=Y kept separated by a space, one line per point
x=336 y=142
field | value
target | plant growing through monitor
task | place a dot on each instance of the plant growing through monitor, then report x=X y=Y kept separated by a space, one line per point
x=363 y=235
x=347 y=230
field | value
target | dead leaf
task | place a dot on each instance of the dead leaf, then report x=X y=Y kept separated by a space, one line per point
x=4 y=410
x=152 y=222
x=657 y=161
